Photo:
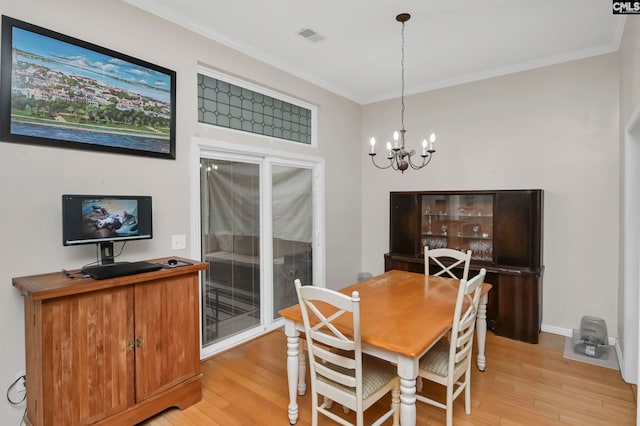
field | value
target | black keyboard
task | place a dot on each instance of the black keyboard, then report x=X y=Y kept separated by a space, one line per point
x=119 y=269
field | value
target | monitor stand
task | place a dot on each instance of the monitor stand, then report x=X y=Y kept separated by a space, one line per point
x=106 y=253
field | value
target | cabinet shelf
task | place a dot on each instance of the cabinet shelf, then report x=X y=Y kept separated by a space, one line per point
x=445 y=216
x=466 y=237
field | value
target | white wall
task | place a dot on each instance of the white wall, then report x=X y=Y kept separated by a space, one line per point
x=554 y=128
x=33 y=177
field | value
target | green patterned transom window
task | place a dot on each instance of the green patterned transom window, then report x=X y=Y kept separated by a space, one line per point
x=227 y=105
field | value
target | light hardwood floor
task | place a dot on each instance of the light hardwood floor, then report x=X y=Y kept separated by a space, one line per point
x=524 y=384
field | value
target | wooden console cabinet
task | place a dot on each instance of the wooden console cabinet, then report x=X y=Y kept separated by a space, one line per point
x=113 y=351
x=503 y=229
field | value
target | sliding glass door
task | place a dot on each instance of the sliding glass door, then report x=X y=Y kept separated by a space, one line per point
x=258 y=219
x=230 y=224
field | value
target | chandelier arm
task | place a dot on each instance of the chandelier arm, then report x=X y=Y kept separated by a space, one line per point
x=376 y=164
x=425 y=160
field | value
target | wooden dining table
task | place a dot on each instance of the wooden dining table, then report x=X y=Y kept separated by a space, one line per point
x=402 y=314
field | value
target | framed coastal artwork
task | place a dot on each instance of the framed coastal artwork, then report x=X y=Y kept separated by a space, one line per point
x=63 y=92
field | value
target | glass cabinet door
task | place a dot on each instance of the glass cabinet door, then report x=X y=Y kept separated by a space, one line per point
x=461 y=222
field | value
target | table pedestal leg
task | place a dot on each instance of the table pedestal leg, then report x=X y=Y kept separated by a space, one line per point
x=481 y=331
x=408 y=371
x=293 y=340
x=407 y=402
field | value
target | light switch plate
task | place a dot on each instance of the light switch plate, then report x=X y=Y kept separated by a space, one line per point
x=178 y=242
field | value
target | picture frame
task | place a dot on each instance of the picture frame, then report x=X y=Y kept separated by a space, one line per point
x=60 y=91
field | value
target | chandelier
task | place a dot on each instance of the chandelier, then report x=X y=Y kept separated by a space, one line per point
x=399 y=158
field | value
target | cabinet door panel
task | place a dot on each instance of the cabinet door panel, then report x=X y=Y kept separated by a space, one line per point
x=404 y=226
x=519 y=310
x=87 y=368
x=166 y=327
x=518 y=229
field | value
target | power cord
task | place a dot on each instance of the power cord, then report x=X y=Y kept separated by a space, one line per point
x=10 y=389
x=20 y=379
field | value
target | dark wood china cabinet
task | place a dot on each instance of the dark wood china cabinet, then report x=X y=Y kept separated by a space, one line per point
x=502 y=228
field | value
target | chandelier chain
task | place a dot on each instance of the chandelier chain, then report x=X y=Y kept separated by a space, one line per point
x=402 y=91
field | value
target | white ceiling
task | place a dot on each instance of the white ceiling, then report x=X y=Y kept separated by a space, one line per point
x=446 y=42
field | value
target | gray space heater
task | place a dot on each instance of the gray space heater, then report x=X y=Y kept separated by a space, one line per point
x=592 y=339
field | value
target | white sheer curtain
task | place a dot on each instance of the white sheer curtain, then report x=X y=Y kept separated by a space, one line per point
x=232 y=189
x=292 y=204
x=232 y=192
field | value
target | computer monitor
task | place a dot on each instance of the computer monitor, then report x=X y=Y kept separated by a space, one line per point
x=105 y=219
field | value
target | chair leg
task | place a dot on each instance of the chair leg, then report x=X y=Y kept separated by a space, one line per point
x=314 y=410
x=467 y=391
x=395 y=403
x=449 y=405
x=419 y=384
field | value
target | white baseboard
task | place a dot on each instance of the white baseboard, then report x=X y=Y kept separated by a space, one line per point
x=568 y=332
x=556 y=330
x=625 y=371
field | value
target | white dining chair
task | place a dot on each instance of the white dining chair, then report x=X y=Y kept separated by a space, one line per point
x=446 y=260
x=449 y=363
x=338 y=370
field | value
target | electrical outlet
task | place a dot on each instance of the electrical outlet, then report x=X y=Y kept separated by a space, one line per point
x=178 y=242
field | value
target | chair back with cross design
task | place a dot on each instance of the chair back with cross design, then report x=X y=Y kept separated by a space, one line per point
x=444 y=261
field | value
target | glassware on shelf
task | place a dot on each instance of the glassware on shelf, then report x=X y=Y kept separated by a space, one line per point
x=482 y=250
x=444 y=229
x=475 y=229
x=435 y=242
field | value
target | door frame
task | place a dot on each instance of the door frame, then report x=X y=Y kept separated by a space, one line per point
x=265 y=157
x=629 y=292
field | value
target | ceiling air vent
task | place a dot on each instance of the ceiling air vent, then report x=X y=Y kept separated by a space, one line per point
x=309 y=34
